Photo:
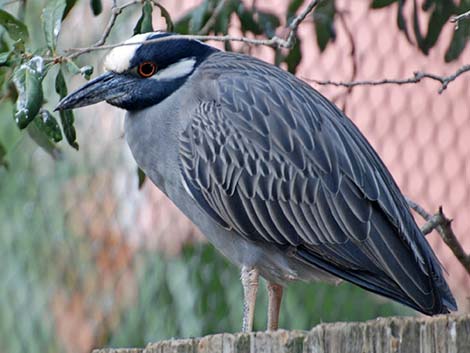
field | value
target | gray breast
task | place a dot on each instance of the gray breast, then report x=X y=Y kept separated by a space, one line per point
x=153 y=137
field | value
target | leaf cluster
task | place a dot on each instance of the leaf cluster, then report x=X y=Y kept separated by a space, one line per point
x=439 y=13
x=23 y=68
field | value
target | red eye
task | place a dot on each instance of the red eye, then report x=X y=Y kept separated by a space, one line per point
x=147 y=69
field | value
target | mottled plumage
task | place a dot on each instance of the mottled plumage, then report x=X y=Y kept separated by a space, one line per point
x=274 y=174
x=276 y=162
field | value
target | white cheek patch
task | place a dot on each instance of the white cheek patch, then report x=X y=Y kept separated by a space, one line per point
x=176 y=70
x=119 y=59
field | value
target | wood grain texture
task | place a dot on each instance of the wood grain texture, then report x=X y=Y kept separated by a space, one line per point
x=441 y=334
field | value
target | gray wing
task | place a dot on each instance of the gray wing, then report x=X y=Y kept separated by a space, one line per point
x=269 y=157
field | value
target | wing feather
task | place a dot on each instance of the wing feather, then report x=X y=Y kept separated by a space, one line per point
x=270 y=157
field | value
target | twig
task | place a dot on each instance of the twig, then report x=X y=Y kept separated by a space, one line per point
x=294 y=25
x=443 y=226
x=419 y=210
x=211 y=21
x=418 y=76
x=458 y=18
x=115 y=12
x=274 y=42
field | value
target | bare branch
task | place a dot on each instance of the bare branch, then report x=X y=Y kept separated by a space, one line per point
x=274 y=42
x=418 y=76
x=458 y=18
x=443 y=226
x=294 y=25
x=115 y=12
x=419 y=210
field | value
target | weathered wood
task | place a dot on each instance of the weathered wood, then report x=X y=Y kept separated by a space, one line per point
x=441 y=334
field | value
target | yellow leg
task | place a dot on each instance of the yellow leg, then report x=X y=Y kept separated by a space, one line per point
x=274 y=305
x=250 y=280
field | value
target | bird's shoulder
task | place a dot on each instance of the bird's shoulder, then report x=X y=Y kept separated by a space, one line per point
x=262 y=138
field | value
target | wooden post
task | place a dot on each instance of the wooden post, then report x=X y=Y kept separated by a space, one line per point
x=441 y=334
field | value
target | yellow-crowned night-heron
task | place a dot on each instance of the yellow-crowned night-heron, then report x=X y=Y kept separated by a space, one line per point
x=274 y=174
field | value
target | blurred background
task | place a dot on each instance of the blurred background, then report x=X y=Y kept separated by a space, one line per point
x=87 y=259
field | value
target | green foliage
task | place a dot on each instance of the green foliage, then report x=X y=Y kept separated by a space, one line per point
x=377 y=4
x=28 y=83
x=144 y=24
x=293 y=58
x=459 y=41
x=52 y=21
x=141 y=177
x=324 y=17
x=166 y=15
x=66 y=116
x=96 y=7
x=15 y=28
x=439 y=12
x=47 y=123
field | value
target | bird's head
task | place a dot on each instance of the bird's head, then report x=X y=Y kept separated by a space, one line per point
x=140 y=75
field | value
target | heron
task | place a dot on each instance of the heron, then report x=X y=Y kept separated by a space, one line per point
x=276 y=176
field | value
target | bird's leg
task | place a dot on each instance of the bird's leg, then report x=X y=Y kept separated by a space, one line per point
x=274 y=305
x=250 y=278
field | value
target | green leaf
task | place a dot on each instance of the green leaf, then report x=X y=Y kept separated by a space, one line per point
x=96 y=7
x=268 y=23
x=182 y=25
x=43 y=141
x=166 y=15
x=378 y=4
x=15 y=28
x=142 y=177
x=48 y=124
x=28 y=82
x=3 y=153
x=197 y=17
x=459 y=41
x=4 y=57
x=144 y=24
x=86 y=71
x=223 y=20
x=436 y=24
x=66 y=116
x=324 y=17
x=52 y=21
x=72 y=68
x=292 y=9
x=401 y=21
x=294 y=57
x=69 y=5
x=247 y=20
x=419 y=37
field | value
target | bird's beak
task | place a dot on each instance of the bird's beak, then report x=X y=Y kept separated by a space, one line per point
x=107 y=87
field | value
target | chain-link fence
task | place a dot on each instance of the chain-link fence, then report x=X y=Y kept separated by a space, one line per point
x=87 y=259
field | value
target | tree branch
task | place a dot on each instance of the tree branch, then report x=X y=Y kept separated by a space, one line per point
x=274 y=42
x=443 y=226
x=458 y=18
x=418 y=76
x=115 y=12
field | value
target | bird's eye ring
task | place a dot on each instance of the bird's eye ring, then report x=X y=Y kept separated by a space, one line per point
x=147 y=69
